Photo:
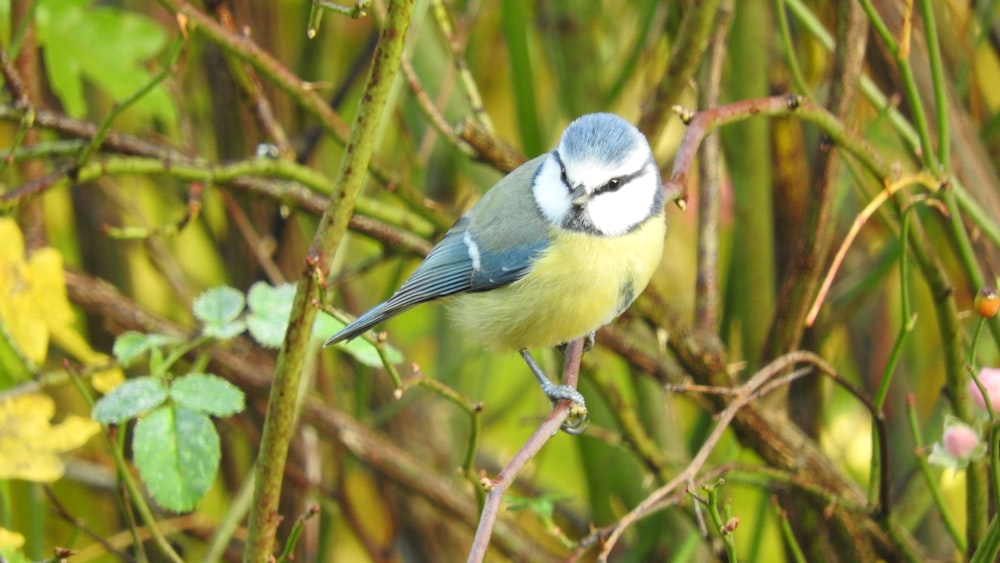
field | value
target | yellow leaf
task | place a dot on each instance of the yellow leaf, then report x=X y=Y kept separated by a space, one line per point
x=13 y=249
x=31 y=444
x=17 y=308
x=107 y=379
x=70 y=340
x=34 y=305
x=10 y=540
x=48 y=286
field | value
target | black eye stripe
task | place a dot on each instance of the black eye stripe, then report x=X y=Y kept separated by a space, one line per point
x=617 y=183
x=611 y=185
x=562 y=169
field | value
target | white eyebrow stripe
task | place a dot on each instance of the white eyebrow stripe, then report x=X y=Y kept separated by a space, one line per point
x=473 y=251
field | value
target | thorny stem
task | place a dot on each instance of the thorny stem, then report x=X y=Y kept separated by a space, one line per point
x=279 y=423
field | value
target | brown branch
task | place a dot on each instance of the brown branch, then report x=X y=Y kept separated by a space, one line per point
x=250 y=368
x=193 y=19
x=490 y=149
x=757 y=386
x=548 y=428
x=691 y=43
x=701 y=123
x=706 y=280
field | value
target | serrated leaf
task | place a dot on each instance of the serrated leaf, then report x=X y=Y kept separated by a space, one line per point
x=103 y=45
x=359 y=348
x=207 y=393
x=270 y=307
x=266 y=333
x=274 y=301
x=224 y=331
x=131 y=344
x=177 y=453
x=129 y=400
x=219 y=305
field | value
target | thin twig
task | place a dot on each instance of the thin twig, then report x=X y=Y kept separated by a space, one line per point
x=701 y=123
x=105 y=126
x=758 y=385
x=468 y=82
x=706 y=284
x=922 y=179
x=549 y=427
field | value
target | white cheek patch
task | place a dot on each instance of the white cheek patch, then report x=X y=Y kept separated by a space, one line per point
x=617 y=212
x=551 y=195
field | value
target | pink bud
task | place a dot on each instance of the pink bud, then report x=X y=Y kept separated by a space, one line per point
x=990 y=378
x=960 y=441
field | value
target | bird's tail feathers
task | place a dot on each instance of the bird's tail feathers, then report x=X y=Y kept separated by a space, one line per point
x=362 y=324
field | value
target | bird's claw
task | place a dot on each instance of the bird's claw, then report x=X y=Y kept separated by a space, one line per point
x=576 y=422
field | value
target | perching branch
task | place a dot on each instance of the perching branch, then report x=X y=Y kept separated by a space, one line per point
x=548 y=428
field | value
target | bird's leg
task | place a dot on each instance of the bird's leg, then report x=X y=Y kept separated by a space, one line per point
x=588 y=344
x=576 y=423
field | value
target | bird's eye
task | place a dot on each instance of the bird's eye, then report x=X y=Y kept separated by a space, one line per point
x=563 y=176
x=610 y=186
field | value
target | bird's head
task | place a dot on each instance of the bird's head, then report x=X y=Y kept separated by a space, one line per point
x=601 y=178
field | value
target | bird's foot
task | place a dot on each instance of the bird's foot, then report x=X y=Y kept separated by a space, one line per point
x=577 y=421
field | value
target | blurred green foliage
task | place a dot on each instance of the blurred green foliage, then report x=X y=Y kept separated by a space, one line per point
x=216 y=177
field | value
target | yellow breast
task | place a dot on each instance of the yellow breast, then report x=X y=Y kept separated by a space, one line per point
x=579 y=284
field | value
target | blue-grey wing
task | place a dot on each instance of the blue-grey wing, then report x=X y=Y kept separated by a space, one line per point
x=456 y=264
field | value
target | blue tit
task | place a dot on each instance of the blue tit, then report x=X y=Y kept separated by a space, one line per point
x=555 y=250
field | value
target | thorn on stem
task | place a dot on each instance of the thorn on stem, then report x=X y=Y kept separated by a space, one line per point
x=730 y=526
x=684 y=113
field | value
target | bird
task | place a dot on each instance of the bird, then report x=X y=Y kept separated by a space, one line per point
x=555 y=250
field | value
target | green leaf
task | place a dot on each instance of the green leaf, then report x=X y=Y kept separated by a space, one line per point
x=359 y=348
x=105 y=46
x=219 y=305
x=207 y=393
x=218 y=308
x=177 y=453
x=270 y=308
x=130 y=345
x=224 y=331
x=129 y=400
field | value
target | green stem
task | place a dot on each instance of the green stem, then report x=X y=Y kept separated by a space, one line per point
x=791 y=542
x=120 y=107
x=990 y=546
x=929 y=478
x=279 y=424
x=940 y=87
x=125 y=474
x=721 y=523
x=237 y=510
x=790 y=55
x=27 y=120
x=908 y=318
